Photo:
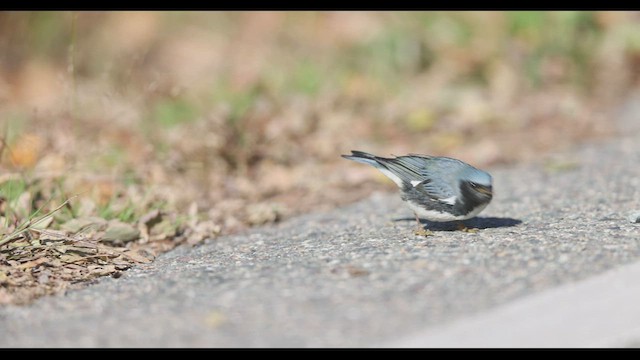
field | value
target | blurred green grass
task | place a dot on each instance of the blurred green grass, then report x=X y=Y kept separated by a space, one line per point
x=389 y=49
x=403 y=45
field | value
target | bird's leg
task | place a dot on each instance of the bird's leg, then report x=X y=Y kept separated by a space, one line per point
x=463 y=227
x=421 y=231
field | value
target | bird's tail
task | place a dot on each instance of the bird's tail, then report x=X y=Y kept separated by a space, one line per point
x=363 y=157
x=375 y=161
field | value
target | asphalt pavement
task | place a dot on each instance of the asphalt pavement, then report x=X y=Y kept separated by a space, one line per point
x=554 y=264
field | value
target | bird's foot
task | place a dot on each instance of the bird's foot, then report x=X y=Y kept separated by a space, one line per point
x=423 y=232
x=464 y=228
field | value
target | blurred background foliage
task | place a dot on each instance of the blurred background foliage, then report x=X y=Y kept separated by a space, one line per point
x=241 y=116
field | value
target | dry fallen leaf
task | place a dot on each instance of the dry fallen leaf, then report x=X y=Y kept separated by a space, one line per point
x=166 y=228
x=119 y=233
x=151 y=218
x=32 y=263
x=81 y=224
x=53 y=235
x=96 y=270
x=203 y=230
x=26 y=150
x=71 y=258
x=135 y=256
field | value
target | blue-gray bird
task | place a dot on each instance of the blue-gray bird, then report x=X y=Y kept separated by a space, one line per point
x=435 y=188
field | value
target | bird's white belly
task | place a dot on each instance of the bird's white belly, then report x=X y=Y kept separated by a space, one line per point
x=438 y=216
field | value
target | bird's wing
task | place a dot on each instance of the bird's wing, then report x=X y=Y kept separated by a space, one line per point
x=425 y=176
x=437 y=190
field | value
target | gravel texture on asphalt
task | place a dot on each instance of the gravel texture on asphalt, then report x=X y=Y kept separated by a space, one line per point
x=358 y=276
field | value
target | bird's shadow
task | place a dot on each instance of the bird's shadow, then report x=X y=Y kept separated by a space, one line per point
x=474 y=223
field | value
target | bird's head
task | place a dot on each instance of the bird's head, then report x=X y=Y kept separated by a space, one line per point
x=477 y=182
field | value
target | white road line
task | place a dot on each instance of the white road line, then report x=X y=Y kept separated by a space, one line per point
x=601 y=311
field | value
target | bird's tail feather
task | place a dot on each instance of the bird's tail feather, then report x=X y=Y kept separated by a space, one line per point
x=375 y=161
x=363 y=157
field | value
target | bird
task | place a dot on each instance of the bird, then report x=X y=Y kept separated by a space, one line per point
x=437 y=188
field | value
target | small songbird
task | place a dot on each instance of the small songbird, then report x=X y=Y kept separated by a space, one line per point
x=435 y=188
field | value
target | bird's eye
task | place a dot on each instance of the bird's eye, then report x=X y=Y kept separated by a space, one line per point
x=474 y=185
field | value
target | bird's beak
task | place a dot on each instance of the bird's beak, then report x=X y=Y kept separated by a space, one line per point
x=485 y=190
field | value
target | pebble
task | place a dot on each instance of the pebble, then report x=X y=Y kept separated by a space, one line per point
x=634 y=217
